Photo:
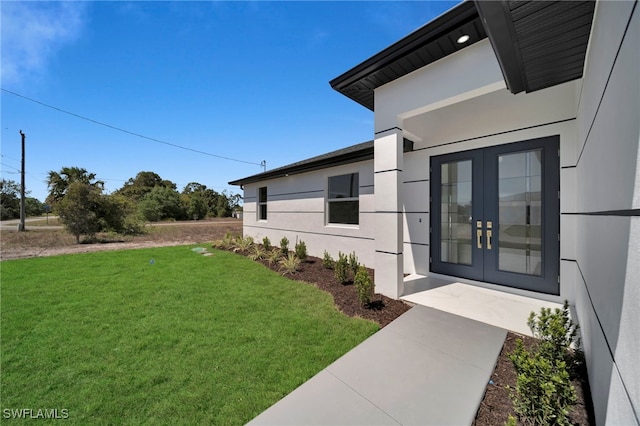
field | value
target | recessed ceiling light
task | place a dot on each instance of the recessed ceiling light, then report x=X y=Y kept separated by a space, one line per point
x=463 y=39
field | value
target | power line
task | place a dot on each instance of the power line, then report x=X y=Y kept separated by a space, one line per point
x=12 y=167
x=6 y=156
x=127 y=131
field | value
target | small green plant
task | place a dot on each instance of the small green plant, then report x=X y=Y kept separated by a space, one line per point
x=284 y=246
x=257 y=252
x=557 y=332
x=341 y=268
x=266 y=243
x=273 y=256
x=301 y=250
x=226 y=243
x=364 y=286
x=243 y=244
x=289 y=264
x=544 y=393
x=327 y=260
x=353 y=263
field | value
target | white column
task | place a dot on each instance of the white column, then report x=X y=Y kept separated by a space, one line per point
x=388 y=159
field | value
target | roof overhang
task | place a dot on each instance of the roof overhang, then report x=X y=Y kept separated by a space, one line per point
x=538 y=44
x=352 y=154
x=426 y=45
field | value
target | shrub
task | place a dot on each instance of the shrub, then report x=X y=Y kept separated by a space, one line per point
x=556 y=332
x=273 y=256
x=257 y=253
x=133 y=225
x=341 y=268
x=243 y=244
x=353 y=263
x=284 y=246
x=301 y=250
x=364 y=286
x=327 y=260
x=289 y=264
x=226 y=243
x=543 y=393
x=266 y=243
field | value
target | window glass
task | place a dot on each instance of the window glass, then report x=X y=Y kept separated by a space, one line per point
x=343 y=203
x=262 y=203
x=344 y=186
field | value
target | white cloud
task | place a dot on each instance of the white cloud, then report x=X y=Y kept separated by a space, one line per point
x=34 y=31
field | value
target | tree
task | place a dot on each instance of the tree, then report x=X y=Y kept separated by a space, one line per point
x=59 y=182
x=9 y=199
x=33 y=207
x=161 y=203
x=78 y=209
x=136 y=188
x=197 y=207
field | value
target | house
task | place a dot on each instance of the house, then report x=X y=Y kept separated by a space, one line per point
x=505 y=155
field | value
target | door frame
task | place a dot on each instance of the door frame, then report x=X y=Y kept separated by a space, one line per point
x=484 y=266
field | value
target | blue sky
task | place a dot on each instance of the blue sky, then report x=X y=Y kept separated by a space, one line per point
x=243 y=80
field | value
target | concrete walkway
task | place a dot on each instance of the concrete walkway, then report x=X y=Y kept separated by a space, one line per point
x=428 y=367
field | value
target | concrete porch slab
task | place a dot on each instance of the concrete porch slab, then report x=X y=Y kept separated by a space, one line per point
x=493 y=307
x=427 y=367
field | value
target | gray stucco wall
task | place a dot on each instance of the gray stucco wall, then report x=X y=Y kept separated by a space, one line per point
x=607 y=264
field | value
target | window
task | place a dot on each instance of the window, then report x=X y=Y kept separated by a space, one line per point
x=343 y=203
x=262 y=203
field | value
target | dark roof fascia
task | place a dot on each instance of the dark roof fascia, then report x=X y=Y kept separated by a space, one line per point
x=440 y=25
x=498 y=23
x=352 y=154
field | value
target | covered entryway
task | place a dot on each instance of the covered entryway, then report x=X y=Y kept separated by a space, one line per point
x=495 y=214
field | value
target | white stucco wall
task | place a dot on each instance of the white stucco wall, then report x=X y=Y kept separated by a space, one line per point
x=607 y=262
x=465 y=74
x=296 y=209
x=445 y=108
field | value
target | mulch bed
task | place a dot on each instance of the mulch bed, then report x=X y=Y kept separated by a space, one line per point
x=496 y=405
x=382 y=309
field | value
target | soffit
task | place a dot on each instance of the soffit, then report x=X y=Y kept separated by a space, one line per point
x=428 y=44
x=538 y=44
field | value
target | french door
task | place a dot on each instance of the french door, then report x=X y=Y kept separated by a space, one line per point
x=495 y=214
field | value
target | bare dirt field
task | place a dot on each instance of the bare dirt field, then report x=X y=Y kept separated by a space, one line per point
x=40 y=241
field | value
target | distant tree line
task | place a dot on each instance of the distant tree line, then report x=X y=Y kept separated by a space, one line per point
x=10 y=202
x=79 y=199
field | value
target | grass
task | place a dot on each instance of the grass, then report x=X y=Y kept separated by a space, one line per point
x=162 y=336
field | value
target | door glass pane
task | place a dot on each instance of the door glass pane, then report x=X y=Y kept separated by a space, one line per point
x=455 y=208
x=520 y=212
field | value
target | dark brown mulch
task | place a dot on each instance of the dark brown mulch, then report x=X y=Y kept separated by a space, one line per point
x=496 y=404
x=382 y=309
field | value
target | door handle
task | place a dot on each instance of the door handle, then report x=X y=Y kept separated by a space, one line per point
x=489 y=234
x=479 y=234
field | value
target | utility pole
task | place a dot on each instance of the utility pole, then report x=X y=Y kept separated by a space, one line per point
x=21 y=226
x=264 y=165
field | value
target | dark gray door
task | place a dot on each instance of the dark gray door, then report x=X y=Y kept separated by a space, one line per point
x=495 y=214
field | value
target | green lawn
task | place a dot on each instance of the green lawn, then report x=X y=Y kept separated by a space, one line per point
x=161 y=336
